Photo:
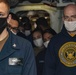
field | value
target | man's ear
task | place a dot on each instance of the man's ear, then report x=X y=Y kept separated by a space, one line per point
x=9 y=18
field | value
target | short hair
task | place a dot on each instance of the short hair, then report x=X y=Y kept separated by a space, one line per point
x=37 y=30
x=6 y=2
x=41 y=21
x=50 y=30
x=26 y=22
x=14 y=16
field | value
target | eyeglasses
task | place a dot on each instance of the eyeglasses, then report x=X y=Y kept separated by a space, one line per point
x=15 y=28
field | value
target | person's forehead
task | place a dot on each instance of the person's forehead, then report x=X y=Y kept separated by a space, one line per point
x=47 y=34
x=3 y=8
x=70 y=8
x=37 y=34
x=69 y=13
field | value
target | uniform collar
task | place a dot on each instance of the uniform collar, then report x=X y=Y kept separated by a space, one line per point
x=14 y=40
x=10 y=46
x=65 y=32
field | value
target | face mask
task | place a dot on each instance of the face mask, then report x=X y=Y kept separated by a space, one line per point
x=38 y=42
x=27 y=32
x=70 y=26
x=35 y=25
x=3 y=24
x=46 y=43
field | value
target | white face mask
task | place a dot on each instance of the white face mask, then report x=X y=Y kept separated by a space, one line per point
x=27 y=32
x=35 y=25
x=38 y=42
x=70 y=25
x=46 y=43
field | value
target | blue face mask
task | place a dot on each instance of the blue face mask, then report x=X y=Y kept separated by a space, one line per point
x=3 y=24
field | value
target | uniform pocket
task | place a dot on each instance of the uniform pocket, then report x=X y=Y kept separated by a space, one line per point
x=15 y=66
x=14 y=70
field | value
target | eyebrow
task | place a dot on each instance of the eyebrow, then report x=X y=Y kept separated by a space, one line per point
x=73 y=15
x=69 y=16
x=1 y=12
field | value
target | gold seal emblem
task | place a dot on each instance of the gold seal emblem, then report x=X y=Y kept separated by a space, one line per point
x=67 y=54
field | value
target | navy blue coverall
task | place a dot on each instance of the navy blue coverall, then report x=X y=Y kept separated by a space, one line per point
x=60 y=58
x=17 y=57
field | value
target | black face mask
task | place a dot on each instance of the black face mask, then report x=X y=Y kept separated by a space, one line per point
x=3 y=24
